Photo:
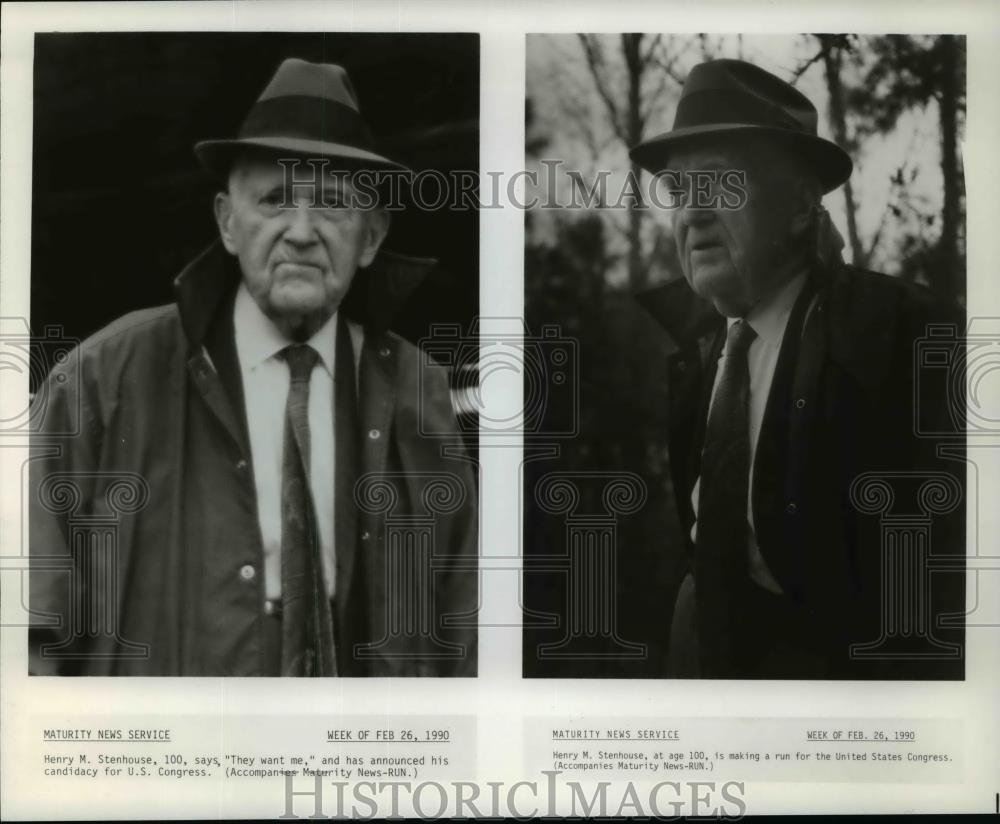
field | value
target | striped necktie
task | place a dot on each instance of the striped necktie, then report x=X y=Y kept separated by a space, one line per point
x=307 y=646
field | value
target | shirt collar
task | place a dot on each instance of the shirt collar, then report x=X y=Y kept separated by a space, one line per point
x=258 y=339
x=769 y=317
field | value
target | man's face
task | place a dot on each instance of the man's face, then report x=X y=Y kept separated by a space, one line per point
x=733 y=257
x=298 y=247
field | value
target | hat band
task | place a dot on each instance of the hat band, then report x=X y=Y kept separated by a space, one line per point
x=307 y=118
x=714 y=106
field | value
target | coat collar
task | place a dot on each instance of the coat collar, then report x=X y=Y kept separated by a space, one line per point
x=686 y=317
x=856 y=309
x=375 y=298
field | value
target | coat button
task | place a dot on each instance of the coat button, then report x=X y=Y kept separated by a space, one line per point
x=791 y=508
x=247 y=572
x=374 y=434
x=385 y=351
x=242 y=465
x=365 y=535
x=800 y=403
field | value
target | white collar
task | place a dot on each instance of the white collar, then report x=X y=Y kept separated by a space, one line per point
x=769 y=316
x=258 y=339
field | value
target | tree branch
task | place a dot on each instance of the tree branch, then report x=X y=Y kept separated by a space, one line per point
x=595 y=63
x=801 y=70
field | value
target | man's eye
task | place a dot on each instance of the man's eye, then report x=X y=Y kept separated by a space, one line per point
x=331 y=200
x=272 y=199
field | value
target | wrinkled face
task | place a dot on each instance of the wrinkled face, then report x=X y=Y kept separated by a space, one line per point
x=733 y=256
x=300 y=246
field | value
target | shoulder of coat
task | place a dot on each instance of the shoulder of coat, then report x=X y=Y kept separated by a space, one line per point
x=874 y=320
x=136 y=324
x=886 y=292
x=134 y=334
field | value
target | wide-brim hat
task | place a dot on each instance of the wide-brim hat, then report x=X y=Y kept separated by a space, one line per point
x=307 y=110
x=732 y=97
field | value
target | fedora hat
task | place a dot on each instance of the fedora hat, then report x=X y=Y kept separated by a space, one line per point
x=308 y=109
x=730 y=97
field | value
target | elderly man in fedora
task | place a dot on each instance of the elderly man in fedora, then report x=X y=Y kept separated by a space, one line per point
x=792 y=380
x=251 y=442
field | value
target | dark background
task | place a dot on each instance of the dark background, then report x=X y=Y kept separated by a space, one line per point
x=120 y=203
x=619 y=408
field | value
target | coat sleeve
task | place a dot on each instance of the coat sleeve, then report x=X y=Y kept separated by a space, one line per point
x=460 y=603
x=65 y=445
x=930 y=419
x=939 y=424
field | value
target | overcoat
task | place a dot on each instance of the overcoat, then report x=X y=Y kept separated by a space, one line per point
x=146 y=551
x=859 y=429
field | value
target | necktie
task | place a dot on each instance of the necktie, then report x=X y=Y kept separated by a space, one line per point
x=721 y=540
x=307 y=647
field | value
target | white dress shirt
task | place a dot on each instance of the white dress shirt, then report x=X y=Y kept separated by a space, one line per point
x=265 y=390
x=768 y=319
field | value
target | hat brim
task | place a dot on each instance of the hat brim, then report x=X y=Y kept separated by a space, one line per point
x=832 y=165
x=217 y=155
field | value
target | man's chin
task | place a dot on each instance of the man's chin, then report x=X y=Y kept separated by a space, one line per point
x=297 y=299
x=718 y=288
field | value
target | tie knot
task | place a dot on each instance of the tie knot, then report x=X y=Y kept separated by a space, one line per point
x=739 y=338
x=301 y=359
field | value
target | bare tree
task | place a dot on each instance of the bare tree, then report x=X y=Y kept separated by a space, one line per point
x=830 y=54
x=906 y=73
x=630 y=109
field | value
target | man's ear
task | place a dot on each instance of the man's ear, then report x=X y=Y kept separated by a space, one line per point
x=829 y=242
x=223 y=206
x=376 y=228
x=805 y=202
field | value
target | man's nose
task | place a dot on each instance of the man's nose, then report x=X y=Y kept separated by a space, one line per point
x=300 y=228
x=691 y=215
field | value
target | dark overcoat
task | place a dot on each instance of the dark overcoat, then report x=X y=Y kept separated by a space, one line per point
x=860 y=437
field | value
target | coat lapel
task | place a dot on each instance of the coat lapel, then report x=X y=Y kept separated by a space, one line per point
x=204 y=293
x=361 y=569
x=697 y=334
x=347 y=449
x=786 y=408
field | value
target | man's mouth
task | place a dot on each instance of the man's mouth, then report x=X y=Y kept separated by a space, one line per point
x=297 y=264
x=704 y=246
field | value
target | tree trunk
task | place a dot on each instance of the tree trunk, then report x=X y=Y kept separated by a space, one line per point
x=948 y=277
x=634 y=127
x=838 y=121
